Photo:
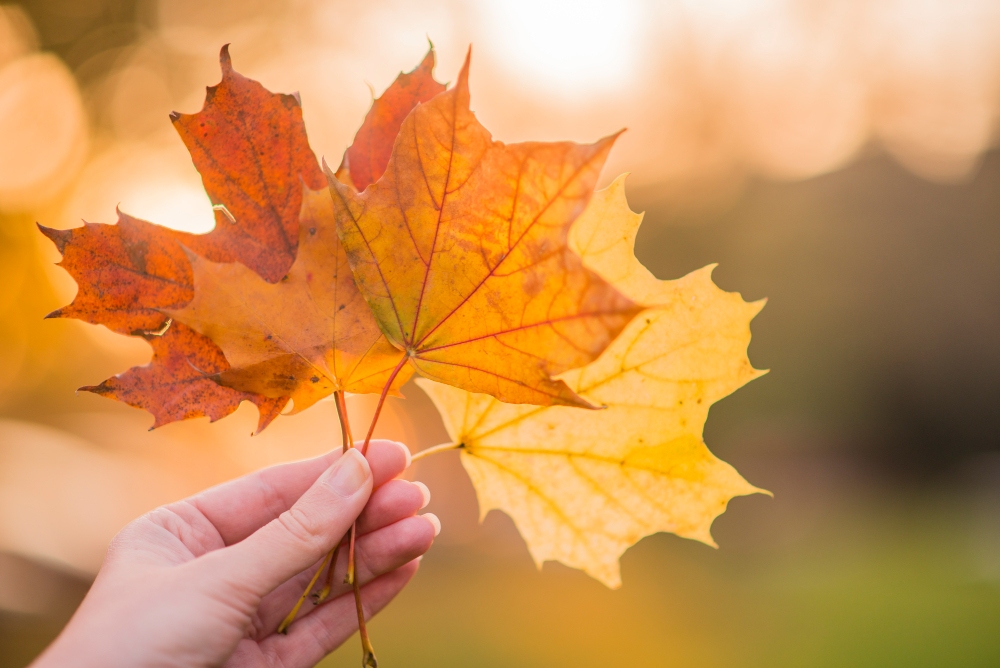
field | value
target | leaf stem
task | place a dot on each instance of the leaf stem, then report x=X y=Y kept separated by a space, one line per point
x=290 y=617
x=345 y=424
x=349 y=576
x=322 y=594
x=368 y=652
x=381 y=401
x=444 y=447
x=346 y=442
x=331 y=557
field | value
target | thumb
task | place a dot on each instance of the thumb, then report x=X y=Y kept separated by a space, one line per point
x=301 y=535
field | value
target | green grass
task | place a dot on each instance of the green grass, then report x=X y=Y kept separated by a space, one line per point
x=875 y=584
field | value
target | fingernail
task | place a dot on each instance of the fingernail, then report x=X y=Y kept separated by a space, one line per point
x=423 y=490
x=406 y=453
x=435 y=522
x=348 y=474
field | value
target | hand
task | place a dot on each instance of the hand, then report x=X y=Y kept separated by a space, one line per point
x=207 y=580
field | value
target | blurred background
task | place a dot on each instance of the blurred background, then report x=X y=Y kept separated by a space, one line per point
x=835 y=156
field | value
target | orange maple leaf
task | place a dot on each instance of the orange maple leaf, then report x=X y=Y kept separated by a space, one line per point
x=125 y=273
x=461 y=251
x=365 y=160
x=306 y=337
x=174 y=385
x=251 y=148
x=312 y=333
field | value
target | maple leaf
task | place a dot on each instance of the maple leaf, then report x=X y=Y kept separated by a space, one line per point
x=125 y=273
x=305 y=337
x=583 y=486
x=461 y=251
x=365 y=160
x=312 y=333
x=251 y=149
x=173 y=386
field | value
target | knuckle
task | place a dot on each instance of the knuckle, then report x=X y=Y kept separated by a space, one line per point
x=134 y=534
x=301 y=527
x=257 y=629
x=271 y=496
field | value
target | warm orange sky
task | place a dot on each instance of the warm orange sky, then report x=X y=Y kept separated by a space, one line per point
x=710 y=91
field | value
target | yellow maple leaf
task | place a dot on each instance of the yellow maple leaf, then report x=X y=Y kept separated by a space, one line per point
x=307 y=336
x=583 y=486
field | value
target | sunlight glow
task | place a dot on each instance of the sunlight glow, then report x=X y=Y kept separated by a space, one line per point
x=571 y=48
x=174 y=205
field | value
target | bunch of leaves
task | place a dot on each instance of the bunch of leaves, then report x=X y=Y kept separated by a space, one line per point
x=575 y=384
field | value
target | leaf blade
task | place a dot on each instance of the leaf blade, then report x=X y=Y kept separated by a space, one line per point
x=583 y=486
x=251 y=149
x=367 y=156
x=461 y=251
x=305 y=337
x=176 y=384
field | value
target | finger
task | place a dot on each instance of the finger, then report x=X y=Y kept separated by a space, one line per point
x=240 y=507
x=377 y=553
x=298 y=537
x=392 y=502
x=312 y=638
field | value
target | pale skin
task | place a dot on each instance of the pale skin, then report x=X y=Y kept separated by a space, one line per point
x=206 y=581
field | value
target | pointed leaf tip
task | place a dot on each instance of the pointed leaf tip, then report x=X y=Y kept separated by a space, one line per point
x=225 y=60
x=58 y=237
x=429 y=59
x=463 y=74
x=366 y=159
x=251 y=149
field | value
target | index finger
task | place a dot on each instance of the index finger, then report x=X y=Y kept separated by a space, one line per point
x=239 y=507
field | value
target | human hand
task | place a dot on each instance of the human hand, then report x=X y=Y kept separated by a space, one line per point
x=207 y=580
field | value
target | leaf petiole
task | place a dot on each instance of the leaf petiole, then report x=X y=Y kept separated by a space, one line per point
x=381 y=401
x=368 y=657
x=331 y=557
x=290 y=617
x=444 y=447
